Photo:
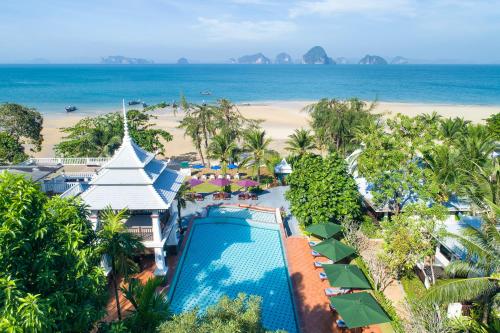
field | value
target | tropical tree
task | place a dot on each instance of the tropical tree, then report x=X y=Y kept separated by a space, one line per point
x=300 y=142
x=242 y=314
x=477 y=277
x=493 y=125
x=452 y=129
x=193 y=129
x=335 y=122
x=51 y=279
x=23 y=124
x=256 y=144
x=149 y=307
x=321 y=190
x=11 y=151
x=102 y=135
x=182 y=198
x=476 y=146
x=119 y=246
x=204 y=116
x=223 y=149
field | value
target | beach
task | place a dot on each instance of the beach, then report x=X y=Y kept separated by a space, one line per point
x=280 y=119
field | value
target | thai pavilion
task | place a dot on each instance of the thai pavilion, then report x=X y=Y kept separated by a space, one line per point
x=135 y=180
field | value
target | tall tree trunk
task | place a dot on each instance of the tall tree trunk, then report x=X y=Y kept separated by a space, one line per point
x=486 y=309
x=200 y=152
x=115 y=289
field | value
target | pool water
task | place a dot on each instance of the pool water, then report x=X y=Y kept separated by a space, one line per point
x=229 y=255
x=242 y=213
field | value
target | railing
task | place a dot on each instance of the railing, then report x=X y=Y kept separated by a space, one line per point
x=57 y=187
x=79 y=174
x=97 y=161
x=146 y=233
x=73 y=191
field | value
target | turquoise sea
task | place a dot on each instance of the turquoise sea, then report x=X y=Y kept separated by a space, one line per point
x=50 y=88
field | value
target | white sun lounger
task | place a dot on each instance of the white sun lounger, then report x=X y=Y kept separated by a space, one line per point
x=319 y=264
x=316 y=254
x=312 y=243
x=322 y=276
x=336 y=291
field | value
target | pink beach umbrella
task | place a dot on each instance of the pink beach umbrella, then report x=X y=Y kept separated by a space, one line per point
x=247 y=183
x=220 y=182
x=195 y=182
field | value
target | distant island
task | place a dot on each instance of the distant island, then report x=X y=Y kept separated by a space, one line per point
x=257 y=59
x=317 y=56
x=399 y=61
x=372 y=60
x=121 y=60
x=283 y=59
x=182 y=61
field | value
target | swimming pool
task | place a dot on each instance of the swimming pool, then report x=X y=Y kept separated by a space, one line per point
x=229 y=252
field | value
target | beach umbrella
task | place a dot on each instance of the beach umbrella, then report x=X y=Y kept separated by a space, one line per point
x=346 y=276
x=232 y=166
x=333 y=249
x=198 y=166
x=324 y=230
x=195 y=182
x=215 y=167
x=220 y=182
x=359 y=309
x=247 y=183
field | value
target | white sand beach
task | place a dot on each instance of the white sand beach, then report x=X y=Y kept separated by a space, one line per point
x=280 y=120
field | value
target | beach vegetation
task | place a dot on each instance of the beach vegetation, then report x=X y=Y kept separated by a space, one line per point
x=256 y=145
x=119 y=247
x=101 y=135
x=493 y=125
x=182 y=199
x=300 y=142
x=241 y=314
x=11 y=150
x=51 y=279
x=224 y=149
x=322 y=190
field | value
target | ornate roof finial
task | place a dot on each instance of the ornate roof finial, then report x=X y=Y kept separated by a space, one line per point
x=126 y=136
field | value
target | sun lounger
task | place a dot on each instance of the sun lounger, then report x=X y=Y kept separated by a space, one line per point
x=316 y=254
x=341 y=323
x=228 y=177
x=312 y=243
x=332 y=308
x=336 y=291
x=203 y=177
x=212 y=177
x=254 y=196
x=237 y=176
x=226 y=196
x=199 y=197
x=220 y=176
x=322 y=276
x=319 y=264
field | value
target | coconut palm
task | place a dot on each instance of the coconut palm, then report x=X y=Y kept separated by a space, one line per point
x=483 y=184
x=257 y=145
x=452 y=129
x=222 y=148
x=478 y=277
x=182 y=198
x=443 y=161
x=119 y=246
x=149 y=307
x=300 y=142
x=476 y=146
x=193 y=129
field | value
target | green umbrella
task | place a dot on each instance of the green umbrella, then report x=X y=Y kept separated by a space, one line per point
x=359 y=309
x=346 y=276
x=333 y=249
x=324 y=230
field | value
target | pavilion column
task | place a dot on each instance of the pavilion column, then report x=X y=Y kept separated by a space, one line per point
x=94 y=219
x=155 y=221
x=161 y=267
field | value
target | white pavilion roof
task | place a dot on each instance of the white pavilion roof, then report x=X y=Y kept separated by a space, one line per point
x=133 y=179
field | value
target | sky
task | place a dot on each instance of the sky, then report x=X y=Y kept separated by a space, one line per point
x=83 y=31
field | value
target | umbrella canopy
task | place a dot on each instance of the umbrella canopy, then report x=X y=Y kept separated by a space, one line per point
x=198 y=166
x=247 y=183
x=333 y=249
x=346 y=276
x=195 y=182
x=359 y=309
x=220 y=182
x=232 y=166
x=324 y=230
x=215 y=167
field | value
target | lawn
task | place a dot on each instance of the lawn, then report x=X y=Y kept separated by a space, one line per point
x=206 y=187
x=413 y=287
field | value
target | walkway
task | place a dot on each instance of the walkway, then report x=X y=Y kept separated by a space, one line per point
x=312 y=304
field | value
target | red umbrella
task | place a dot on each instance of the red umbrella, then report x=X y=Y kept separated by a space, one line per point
x=220 y=182
x=247 y=183
x=195 y=182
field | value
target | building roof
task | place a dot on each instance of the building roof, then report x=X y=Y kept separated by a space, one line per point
x=457 y=227
x=33 y=172
x=283 y=167
x=133 y=179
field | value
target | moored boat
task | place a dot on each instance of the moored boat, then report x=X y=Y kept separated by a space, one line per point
x=71 y=108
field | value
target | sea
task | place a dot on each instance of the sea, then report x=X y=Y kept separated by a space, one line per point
x=97 y=88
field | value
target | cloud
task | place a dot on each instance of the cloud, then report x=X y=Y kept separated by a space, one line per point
x=244 y=30
x=330 y=7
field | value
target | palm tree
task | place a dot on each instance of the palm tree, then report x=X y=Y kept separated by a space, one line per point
x=150 y=307
x=476 y=146
x=444 y=161
x=477 y=278
x=223 y=149
x=257 y=145
x=182 y=199
x=483 y=184
x=205 y=117
x=119 y=246
x=300 y=142
x=452 y=129
x=193 y=129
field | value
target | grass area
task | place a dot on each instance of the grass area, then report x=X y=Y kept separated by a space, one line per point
x=413 y=287
x=206 y=187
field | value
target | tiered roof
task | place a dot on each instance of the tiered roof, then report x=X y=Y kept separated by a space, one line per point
x=133 y=179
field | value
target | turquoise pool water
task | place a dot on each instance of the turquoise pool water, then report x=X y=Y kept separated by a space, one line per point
x=226 y=255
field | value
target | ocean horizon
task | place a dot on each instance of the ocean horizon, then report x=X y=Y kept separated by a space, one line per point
x=98 y=88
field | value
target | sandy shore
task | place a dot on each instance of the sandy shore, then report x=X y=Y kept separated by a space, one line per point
x=280 y=120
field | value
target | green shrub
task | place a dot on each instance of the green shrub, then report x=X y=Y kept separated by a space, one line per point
x=413 y=287
x=369 y=228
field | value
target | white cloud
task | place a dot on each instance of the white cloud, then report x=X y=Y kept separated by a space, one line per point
x=375 y=7
x=216 y=29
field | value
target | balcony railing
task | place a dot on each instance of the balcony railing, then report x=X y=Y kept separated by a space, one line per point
x=97 y=161
x=146 y=233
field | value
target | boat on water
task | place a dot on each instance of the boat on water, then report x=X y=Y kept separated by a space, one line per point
x=71 y=108
x=206 y=92
x=134 y=102
x=144 y=105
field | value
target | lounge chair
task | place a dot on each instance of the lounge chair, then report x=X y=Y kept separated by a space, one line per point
x=203 y=177
x=237 y=176
x=341 y=323
x=319 y=264
x=228 y=177
x=322 y=276
x=220 y=176
x=316 y=254
x=254 y=196
x=199 y=197
x=312 y=243
x=226 y=196
x=336 y=291
x=212 y=177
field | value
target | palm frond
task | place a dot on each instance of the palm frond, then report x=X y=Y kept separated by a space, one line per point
x=458 y=290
